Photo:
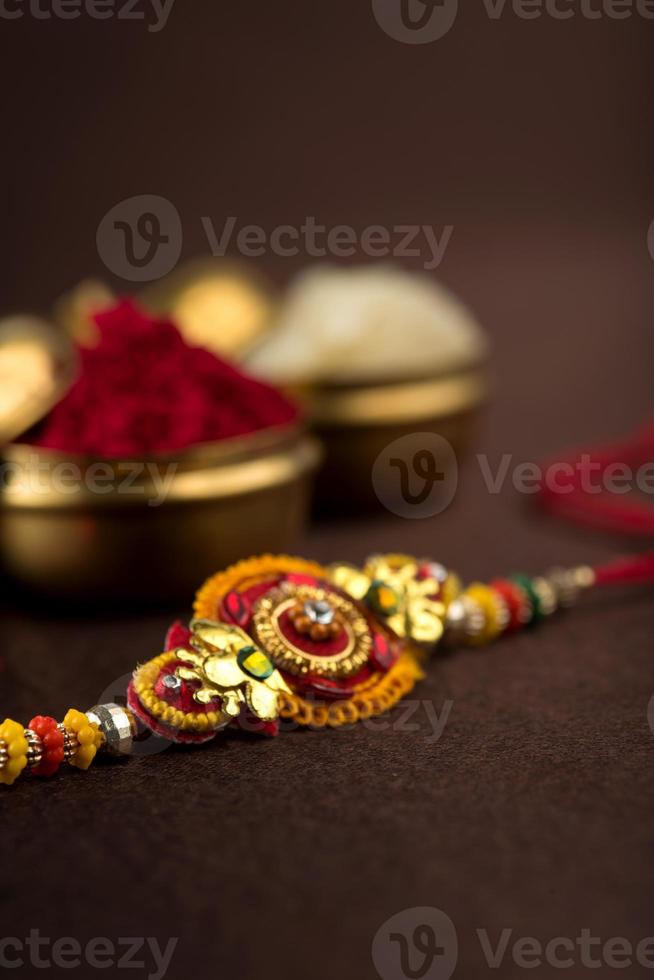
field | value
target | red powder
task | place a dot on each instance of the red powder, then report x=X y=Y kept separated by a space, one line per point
x=144 y=389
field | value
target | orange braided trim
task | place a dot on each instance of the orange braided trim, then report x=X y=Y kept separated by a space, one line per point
x=145 y=677
x=245 y=574
x=373 y=698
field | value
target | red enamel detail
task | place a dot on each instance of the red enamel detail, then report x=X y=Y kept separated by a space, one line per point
x=236 y=608
x=383 y=654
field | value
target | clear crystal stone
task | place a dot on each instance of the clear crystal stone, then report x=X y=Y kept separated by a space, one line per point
x=319 y=611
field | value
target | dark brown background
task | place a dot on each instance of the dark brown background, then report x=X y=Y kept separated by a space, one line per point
x=534 y=810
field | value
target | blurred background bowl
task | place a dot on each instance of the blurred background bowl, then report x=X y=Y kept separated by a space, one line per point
x=135 y=540
x=356 y=422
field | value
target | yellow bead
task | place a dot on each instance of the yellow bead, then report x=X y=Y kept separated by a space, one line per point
x=85 y=735
x=83 y=757
x=17 y=748
x=489 y=602
x=15 y=766
x=9 y=730
x=70 y=719
x=13 y=737
x=451 y=588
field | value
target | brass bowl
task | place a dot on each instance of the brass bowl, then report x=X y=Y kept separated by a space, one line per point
x=356 y=422
x=158 y=527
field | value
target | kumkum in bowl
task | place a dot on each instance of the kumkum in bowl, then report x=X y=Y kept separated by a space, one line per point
x=160 y=463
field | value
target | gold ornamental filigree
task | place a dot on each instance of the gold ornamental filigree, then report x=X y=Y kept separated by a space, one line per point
x=288 y=656
x=390 y=585
x=230 y=668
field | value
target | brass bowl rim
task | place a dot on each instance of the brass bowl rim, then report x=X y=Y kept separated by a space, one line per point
x=269 y=458
x=217 y=450
x=398 y=401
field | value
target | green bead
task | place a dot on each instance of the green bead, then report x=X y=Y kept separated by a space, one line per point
x=254 y=662
x=534 y=599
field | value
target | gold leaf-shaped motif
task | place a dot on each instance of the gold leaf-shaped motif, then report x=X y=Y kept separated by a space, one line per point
x=426 y=625
x=262 y=701
x=350 y=579
x=210 y=637
x=224 y=671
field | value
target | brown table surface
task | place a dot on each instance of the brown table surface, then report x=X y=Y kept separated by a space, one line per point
x=533 y=811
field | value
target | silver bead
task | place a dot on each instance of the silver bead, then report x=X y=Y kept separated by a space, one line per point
x=34 y=748
x=117 y=725
x=464 y=620
x=569 y=582
x=435 y=570
x=4 y=755
x=70 y=741
x=547 y=595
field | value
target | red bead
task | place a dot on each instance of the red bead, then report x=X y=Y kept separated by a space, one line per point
x=52 y=741
x=515 y=602
x=39 y=725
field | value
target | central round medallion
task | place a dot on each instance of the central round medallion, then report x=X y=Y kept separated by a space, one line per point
x=307 y=629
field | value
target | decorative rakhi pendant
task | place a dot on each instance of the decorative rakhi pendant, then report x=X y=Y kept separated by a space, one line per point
x=338 y=660
x=276 y=637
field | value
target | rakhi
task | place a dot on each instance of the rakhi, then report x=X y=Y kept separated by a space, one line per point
x=276 y=637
